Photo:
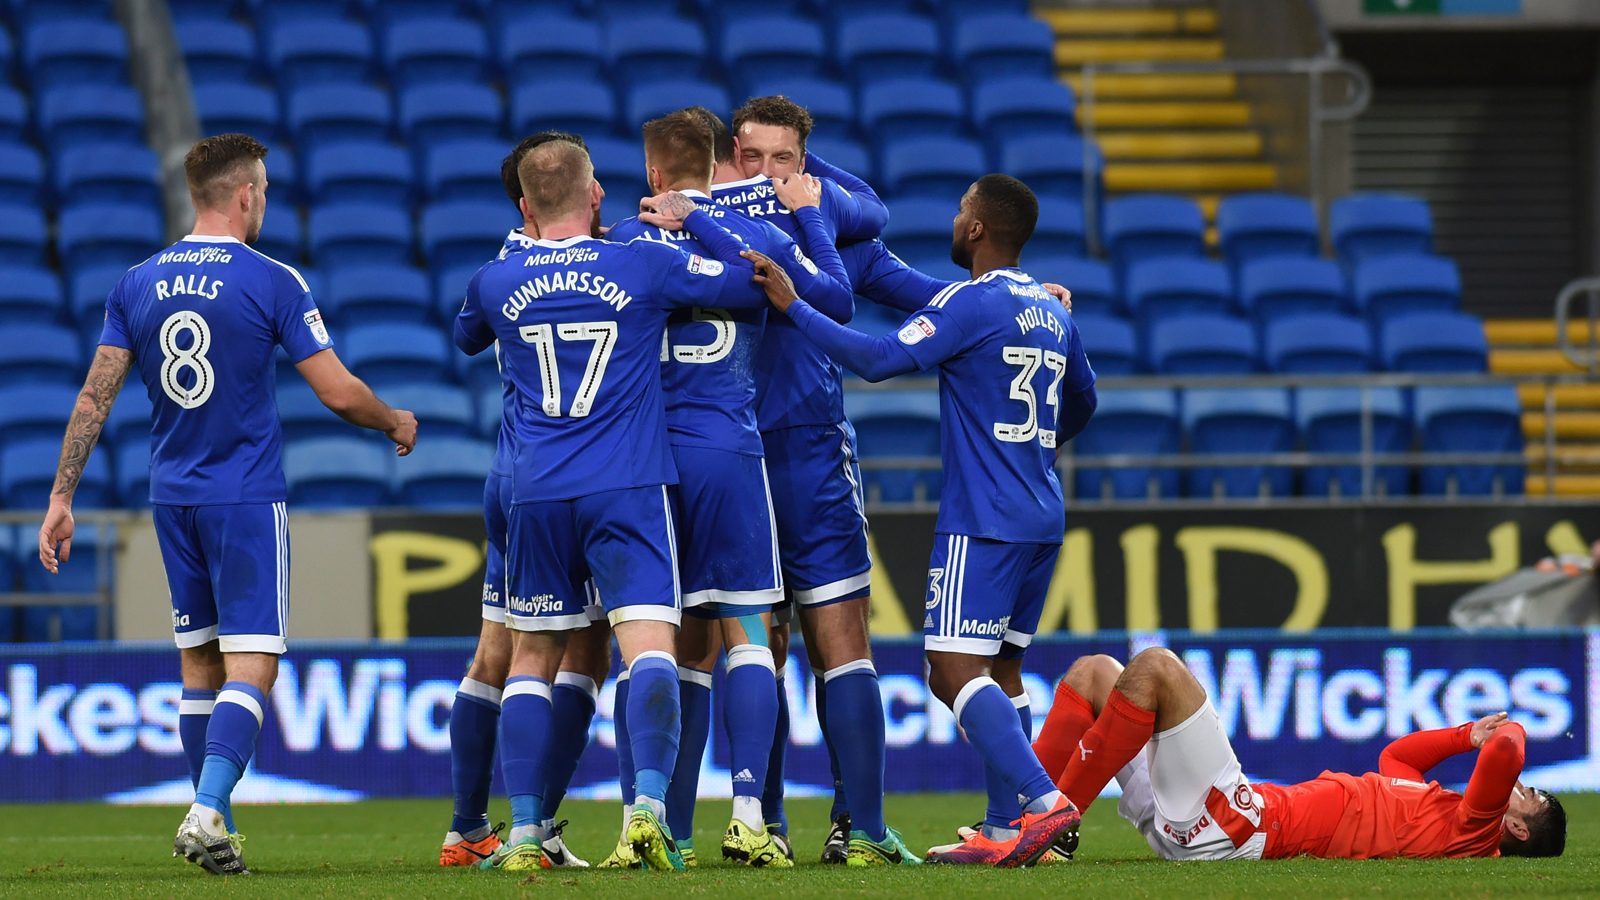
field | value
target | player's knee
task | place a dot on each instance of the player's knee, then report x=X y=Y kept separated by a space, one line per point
x=1093 y=676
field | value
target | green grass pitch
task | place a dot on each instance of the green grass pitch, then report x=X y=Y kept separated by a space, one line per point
x=390 y=849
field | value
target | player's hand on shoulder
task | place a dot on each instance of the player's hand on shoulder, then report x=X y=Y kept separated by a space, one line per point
x=798 y=190
x=57 y=528
x=666 y=210
x=403 y=432
x=1059 y=292
x=1484 y=728
x=770 y=275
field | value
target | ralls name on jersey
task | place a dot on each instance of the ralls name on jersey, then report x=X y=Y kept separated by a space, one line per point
x=917 y=329
x=1034 y=317
x=537 y=605
x=568 y=282
x=186 y=284
x=198 y=256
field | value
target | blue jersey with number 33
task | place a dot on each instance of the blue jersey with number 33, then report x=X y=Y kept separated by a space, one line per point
x=203 y=319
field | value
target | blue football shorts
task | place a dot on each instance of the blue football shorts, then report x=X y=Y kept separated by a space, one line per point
x=727 y=535
x=496 y=502
x=624 y=540
x=1000 y=613
x=228 y=570
x=822 y=523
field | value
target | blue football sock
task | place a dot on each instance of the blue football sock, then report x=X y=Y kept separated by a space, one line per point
x=990 y=721
x=474 y=727
x=230 y=742
x=572 y=708
x=194 y=717
x=820 y=691
x=653 y=722
x=772 y=794
x=524 y=739
x=619 y=724
x=855 y=718
x=694 y=701
x=750 y=714
x=1003 y=806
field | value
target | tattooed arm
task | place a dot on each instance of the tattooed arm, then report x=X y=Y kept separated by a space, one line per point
x=106 y=374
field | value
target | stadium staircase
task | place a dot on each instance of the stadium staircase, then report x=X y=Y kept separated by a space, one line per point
x=1527 y=348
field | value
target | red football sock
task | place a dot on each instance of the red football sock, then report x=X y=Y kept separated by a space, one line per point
x=1116 y=738
x=1070 y=716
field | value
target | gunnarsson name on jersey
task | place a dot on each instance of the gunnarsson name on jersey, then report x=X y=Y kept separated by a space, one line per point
x=568 y=282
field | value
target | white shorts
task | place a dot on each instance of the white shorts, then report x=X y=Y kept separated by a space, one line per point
x=1187 y=795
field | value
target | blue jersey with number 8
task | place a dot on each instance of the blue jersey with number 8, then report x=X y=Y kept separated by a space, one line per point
x=204 y=318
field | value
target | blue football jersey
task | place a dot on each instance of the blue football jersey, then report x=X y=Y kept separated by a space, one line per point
x=516 y=242
x=579 y=323
x=204 y=319
x=708 y=361
x=1007 y=352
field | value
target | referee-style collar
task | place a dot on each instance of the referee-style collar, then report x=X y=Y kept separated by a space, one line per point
x=564 y=242
x=211 y=239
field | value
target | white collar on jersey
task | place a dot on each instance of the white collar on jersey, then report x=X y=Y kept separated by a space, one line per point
x=517 y=235
x=1011 y=272
x=755 y=179
x=211 y=238
x=695 y=194
x=564 y=242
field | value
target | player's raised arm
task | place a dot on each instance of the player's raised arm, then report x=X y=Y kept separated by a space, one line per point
x=825 y=284
x=473 y=334
x=861 y=215
x=1500 y=761
x=686 y=279
x=350 y=397
x=106 y=375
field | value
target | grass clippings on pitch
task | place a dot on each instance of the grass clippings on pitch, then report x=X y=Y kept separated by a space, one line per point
x=390 y=849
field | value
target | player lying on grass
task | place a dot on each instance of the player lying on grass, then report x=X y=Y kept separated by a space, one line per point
x=1151 y=726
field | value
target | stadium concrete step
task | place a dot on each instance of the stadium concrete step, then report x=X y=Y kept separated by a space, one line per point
x=1188 y=177
x=1182 y=20
x=1565 y=485
x=1181 y=144
x=1081 y=51
x=1174 y=86
x=1169 y=114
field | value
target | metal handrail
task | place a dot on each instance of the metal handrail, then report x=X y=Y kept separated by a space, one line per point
x=107 y=542
x=1589 y=357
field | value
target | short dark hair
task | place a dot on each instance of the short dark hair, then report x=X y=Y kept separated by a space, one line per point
x=1007 y=208
x=556 y=176
x=721 y=137
x=213 y=165
x=680 y=145
x=775 y=110
x=508 y=166
x=1547 y=832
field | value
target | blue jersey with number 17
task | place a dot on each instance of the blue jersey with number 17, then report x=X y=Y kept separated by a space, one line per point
x=204 y=318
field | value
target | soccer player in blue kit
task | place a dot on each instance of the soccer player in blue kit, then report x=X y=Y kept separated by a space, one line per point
x=202 y=320
x=475 y=715
x=580 y=324
x=727 y=536
x=1006 y=351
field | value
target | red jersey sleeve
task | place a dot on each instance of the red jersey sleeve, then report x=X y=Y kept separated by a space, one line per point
x=1499 y=765
x=1412 y=756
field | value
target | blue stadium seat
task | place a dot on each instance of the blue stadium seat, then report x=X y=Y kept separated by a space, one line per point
x=752 y=52
x=85 y=113
x=844 y=153
x=450 y=290
x=431 y=114
x=13 y=122
x=1239 y=420
x=1009 y=108
x=392 y=11
x=131 y=464
x=1059 y=231
x=1330 y=418
x=1093 y=290
x=28 y=471
x=41 y=624
x=1051 y=165
x=337 y=472
x=30 y=295
x=226 y=107
x=22 y=235
x=874 y=47
x=1256 y=226
x=479 y=372
x=129 y=421
x=1365 y=226
x=1484 y=419
x=359 y=172
x=465 y=170
x=652 y=100
x=272 y=12
x=1435 y=342
x=347 y=234
x=442 y=410
x=1137 y=420
x=1110 y=342
x=1147 y=225
x=423 y=50
x=60 y=52
x=217 y=50
x=282 y=236
x=380 y=293
x=551 y=48
x=1407 y=283
x=651 y=48
x=900 y=108
x=491 y=407
x=121 y=173
x=444 y=473
x=919 y=228
x=466 y=231
x=832 y=105
x=931 y=167
x=1001 y=45
x=338 y=112
x=1163 y=286
x=29 y=411
x=1283 y=286
x=207 y=10
x=304 y=416
x=506 y=12
x=566 y=105
x=90 y=234
x=897 y=424
x=305 y=52
x=283 y=174
x=8 y=57
x=396 y=353
x=1317 y=343
x=25 y=12
x=959 y=10
x=87 y=291
x=8 y=579
x=619 y=166
x=1202 y=344
x=21 y=175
